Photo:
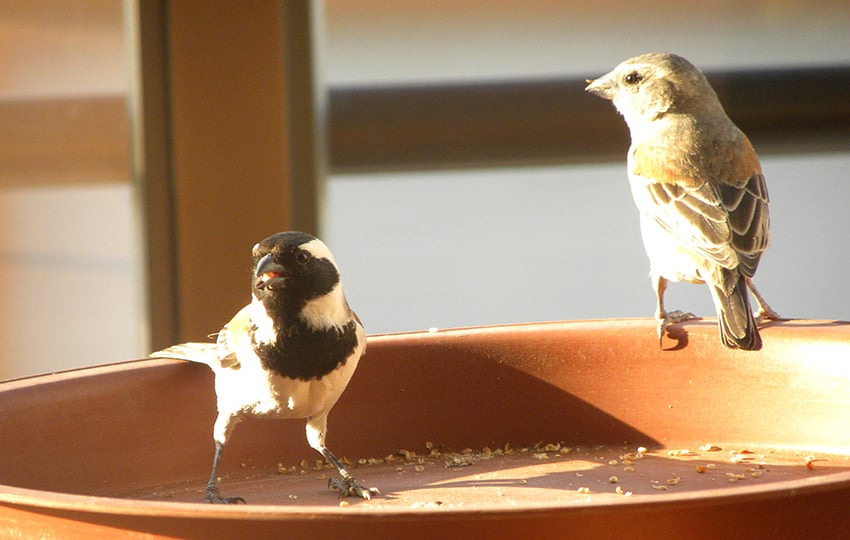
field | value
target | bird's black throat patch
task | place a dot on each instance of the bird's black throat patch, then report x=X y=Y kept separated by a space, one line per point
x=303 y=353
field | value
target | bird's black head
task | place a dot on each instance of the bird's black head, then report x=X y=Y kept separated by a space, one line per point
x=292 y=268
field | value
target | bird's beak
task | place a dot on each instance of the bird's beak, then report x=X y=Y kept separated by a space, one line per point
x=269 y=272
x=601 y=87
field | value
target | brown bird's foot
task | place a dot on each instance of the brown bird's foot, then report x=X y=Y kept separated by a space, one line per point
x=214 y=497
x=764 y=313
x=672 y=317
x=349 y=487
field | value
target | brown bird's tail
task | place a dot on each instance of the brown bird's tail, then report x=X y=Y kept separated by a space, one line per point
x=738 y=329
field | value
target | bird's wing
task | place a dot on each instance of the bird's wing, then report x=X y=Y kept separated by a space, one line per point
x=235 y=335
x=749 y=220
x=222 y=353
x=721 y=216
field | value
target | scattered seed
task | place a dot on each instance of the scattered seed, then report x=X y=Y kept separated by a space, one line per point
x=659 y=487
x=541 y=456
x=612 y=462
x=710 y=448
x=583 y=490
x=733 y=477
x=701 y=469
x=419 y=468
x=459 y=461
x=613 y=480
x=673 y=481
x=344 y=503
x=628 y=469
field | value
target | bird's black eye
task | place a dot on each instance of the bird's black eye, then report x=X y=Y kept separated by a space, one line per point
x=632 y=78
x=302 y=257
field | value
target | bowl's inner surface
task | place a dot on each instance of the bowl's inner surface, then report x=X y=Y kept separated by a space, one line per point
x=535 y=415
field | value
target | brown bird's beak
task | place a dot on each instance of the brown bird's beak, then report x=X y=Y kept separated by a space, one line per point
x=600 y=87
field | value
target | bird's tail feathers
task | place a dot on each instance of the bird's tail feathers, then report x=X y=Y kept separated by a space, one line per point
x=738 y=329
x=204 y=353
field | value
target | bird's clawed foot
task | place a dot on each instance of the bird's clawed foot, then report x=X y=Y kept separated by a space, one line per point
x=671 y=317
x=214 y=497
x=347 y=486
x=765 y=314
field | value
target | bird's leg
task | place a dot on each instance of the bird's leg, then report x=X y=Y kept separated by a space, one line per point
x=347 y=486
x=663 y=317
x=212 y=493
x=764 y=312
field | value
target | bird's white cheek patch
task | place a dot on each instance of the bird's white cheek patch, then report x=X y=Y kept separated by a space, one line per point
x=319 y=250
x=327 y=311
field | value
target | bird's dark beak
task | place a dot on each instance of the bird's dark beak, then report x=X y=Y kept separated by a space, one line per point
x=269 y=272
x=599 y=87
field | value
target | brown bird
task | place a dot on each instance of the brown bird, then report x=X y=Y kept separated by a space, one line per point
x=699 y=187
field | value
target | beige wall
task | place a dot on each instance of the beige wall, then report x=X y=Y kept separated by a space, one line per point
x=69 y=266
x=70 y=270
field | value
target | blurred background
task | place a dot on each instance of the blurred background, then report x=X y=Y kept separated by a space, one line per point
x=431 y=240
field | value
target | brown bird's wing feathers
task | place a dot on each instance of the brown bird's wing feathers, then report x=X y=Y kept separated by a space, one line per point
x=722 y=216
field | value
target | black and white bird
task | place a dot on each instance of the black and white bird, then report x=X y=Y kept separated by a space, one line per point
x=290 y=353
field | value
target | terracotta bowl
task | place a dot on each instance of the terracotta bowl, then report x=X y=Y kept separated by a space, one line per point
x=579 y=428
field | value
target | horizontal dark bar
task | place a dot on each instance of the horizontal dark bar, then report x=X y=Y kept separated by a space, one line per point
x=556 y=121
